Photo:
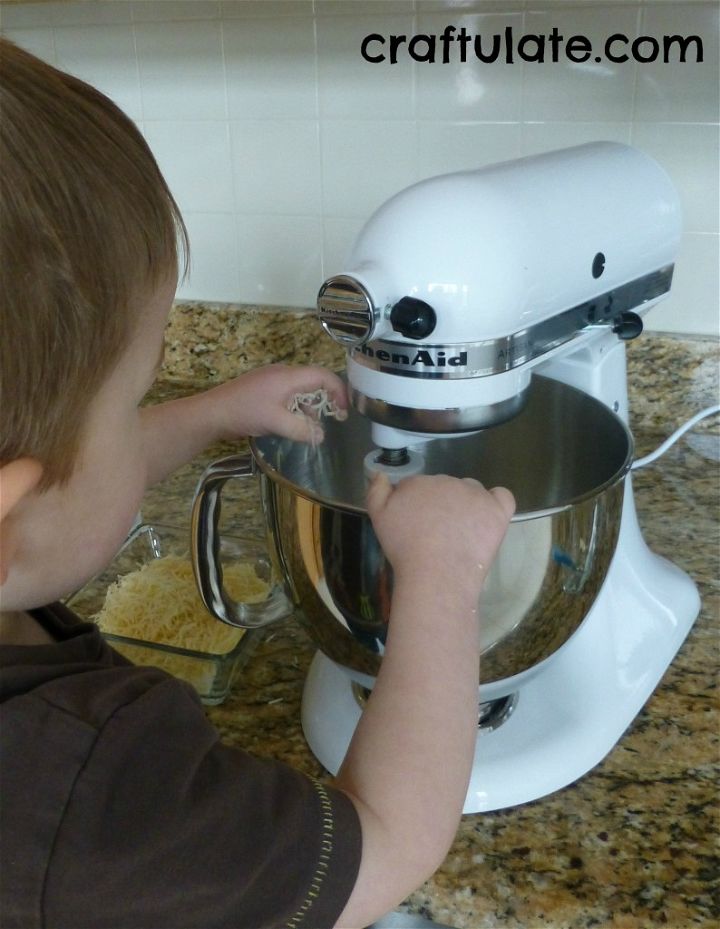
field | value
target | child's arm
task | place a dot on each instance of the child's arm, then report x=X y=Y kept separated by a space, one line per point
x=408 y=765
x=255 y=403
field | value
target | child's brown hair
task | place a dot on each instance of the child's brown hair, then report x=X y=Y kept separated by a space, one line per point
x=88 y=230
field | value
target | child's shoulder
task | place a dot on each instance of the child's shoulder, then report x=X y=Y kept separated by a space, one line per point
x=73 y=671
x=114 y=773
x=96 y=696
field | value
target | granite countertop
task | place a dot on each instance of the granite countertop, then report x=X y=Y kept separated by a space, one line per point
x=634 y=843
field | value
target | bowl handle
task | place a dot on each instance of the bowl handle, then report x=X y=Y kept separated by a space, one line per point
x=205 y=551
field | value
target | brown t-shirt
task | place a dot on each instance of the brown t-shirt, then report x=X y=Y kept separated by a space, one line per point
x=121 y=808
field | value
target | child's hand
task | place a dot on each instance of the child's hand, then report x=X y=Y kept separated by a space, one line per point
x=258 y=403
x=419 y=727
x=439 y=524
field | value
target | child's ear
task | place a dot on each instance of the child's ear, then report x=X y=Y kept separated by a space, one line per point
x=17 y=479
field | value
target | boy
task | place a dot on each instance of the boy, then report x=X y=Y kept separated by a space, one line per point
x=120 y=808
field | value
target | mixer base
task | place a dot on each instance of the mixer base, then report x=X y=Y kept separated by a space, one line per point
x=572 y=713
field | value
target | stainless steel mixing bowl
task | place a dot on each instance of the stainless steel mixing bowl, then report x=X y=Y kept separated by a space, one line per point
x=565 y=457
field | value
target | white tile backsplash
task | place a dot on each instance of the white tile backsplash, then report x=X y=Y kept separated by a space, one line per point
x=349 y=86
x=153 y=11
x=364 y=162
x=105 y=57
x=278 y=139
x=373 y=7
x=544 y=137
x=682 y=92
x=38 y=40
x=472 y=90
x=181 y=70
x=676 y=147
x=214 y=267
x=446 y=146
x=280 y=258
x=338 y=237
x=271 y=70
x=276 y=166
x=601 y=91
x=91 y=13
x=265 y=8
x=197 y=164
x=693 y=305
x=83 y=12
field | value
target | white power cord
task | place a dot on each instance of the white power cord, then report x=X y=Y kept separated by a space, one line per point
x=671 y=440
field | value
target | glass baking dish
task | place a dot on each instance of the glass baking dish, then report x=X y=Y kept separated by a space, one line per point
x=212 y=675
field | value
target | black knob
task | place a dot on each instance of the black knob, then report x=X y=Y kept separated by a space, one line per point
x=627 y=326
x=413 y=318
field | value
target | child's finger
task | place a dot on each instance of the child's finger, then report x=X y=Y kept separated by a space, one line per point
x=505 y=498
x=378 y=492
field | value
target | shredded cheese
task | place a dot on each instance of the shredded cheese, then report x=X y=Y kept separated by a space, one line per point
x=316 y=404
x=160 y=603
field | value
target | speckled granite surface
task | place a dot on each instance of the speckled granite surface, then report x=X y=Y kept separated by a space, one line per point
x=212 y=342
x=635 y=842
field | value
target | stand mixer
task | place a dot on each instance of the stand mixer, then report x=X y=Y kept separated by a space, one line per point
x=484 y=315
x=458 y=289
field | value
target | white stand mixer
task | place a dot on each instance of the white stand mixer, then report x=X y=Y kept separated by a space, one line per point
x=456 y=291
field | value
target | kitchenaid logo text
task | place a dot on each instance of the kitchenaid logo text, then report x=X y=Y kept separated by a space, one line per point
x=459 y=45
x=426 y=359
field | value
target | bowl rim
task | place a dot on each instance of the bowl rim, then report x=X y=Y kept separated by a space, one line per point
x=273 y=474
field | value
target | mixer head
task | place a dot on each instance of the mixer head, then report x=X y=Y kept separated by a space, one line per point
x=460 y=285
